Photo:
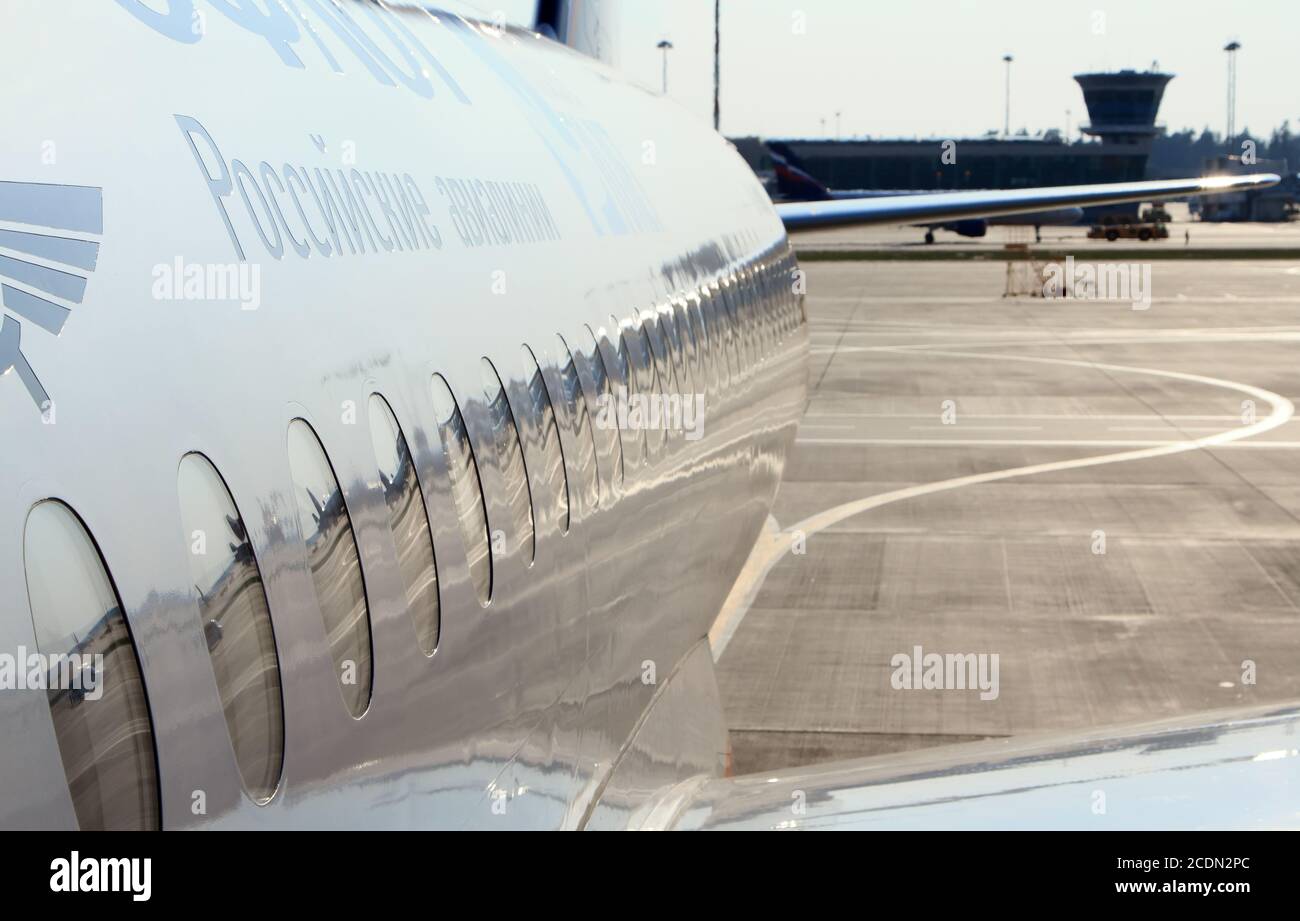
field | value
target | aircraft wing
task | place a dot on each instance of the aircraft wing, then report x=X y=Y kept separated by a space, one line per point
x=1238 y=764
x=946 y=206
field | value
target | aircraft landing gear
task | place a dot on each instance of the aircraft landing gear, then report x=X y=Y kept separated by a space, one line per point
x=929 y=236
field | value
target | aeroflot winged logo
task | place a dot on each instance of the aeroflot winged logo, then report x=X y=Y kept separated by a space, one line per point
x=46 y=275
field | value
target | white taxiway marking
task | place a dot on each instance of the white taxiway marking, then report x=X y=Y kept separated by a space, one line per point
x=1023 y=443
x=1157 y=428
x=991 y=442
x=1071 y=417
x=965 y=427
x=774 y=543
x=1166 y=337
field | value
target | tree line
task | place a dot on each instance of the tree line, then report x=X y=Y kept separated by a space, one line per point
x=1183 y=153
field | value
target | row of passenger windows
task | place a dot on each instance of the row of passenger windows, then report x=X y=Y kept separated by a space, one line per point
x=706 y=343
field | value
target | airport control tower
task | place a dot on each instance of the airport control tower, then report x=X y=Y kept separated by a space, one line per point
x=1122 y=109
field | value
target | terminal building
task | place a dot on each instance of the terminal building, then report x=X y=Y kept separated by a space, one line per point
x=1122 y=111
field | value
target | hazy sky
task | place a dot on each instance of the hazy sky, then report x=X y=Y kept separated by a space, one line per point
x=933 y=67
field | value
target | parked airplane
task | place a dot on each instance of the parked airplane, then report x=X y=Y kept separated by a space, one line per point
x=796 y=184
x=352 y=474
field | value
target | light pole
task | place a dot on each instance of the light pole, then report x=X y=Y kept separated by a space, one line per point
x=837 y=125
x=1232 y=48
x=665 y=46
x=1006 y=127
x=717 y=65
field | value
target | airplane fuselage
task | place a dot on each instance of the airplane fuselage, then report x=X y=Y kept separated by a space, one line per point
x=280 y=243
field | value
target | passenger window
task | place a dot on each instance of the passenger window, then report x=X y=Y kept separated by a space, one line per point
x=580 y=425
x=649 y=383
x=763 y=296
x=792 y=276
x=554 y=474
x=724 y=327
x=656 y=337
x=774 y=301
x=780 y=299
x=633 y=383
x=747 y=314
x=676 y=350
x=797 y=315
x=95 y=691
x=746 y=320
x=409 y=520
x=510 y=460
x=236 y=623
x=466 y=489
x=606 y=416
x=334 y=563
x=783 y=282
x=690 y=348
x=705 y=334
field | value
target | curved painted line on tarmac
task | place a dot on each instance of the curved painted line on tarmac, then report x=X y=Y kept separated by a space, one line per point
x=774 y=543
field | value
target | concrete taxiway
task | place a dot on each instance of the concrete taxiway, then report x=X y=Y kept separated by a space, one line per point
x=1106 y=498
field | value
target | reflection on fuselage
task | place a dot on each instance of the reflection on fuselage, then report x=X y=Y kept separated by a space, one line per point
x=553 y=476
x=411 y=534
x=334 y=564
x=106 y=745
x=520 y=531
x=466 y=491
x=580 y=426
x=236 y=624
x=600 y=375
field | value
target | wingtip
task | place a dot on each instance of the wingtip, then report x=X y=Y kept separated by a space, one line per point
x=1247 y=181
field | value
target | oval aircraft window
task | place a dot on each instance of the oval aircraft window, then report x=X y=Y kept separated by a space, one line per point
x=742 y=307
x=729 y=318
x=782 y=285
x=466 y=490
x=751 y=308
x=103 y=727
x=606 y=415
x=759 y=294
x=655 y=334
x=734 y=297
x=542 y=412
x=334 y=563
x=580 y=425
x=510 y=461
x=720 y=337
x=676 y=349
x=794 y=281
x=410 y=522
x=757 y=320
x=689 y=370
x=705 y=344
x=637 y=387
x=771 y=307
x=236 y=623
